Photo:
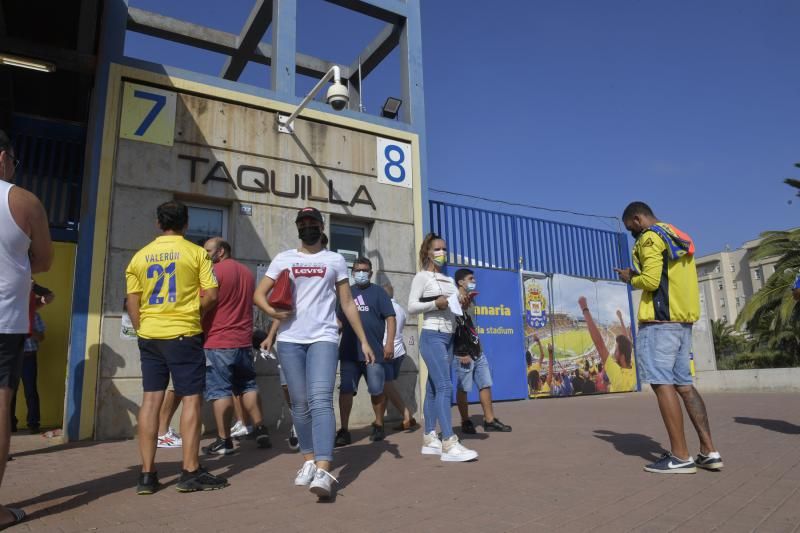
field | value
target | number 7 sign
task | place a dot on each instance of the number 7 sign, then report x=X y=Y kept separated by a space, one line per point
x=148 y=114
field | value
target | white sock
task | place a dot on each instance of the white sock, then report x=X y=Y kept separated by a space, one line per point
x=714 y=455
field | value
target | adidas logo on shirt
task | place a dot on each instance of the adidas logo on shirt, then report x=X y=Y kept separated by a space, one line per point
x=361 y=304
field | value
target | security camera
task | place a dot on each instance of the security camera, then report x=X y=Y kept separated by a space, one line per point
x=337 y=96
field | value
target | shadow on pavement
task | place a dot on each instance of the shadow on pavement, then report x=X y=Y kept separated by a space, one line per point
x=80 y=494
x=779 y=426
x=355 y=458
x=634 y=444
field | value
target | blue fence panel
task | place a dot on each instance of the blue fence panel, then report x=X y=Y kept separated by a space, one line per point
x=490 y=239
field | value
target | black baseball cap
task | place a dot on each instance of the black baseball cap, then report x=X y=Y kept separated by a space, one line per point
x=309 y=212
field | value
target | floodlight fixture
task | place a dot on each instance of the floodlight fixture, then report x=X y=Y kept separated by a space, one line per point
x=391 y=107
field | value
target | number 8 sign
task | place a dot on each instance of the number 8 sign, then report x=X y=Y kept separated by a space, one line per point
x=394 y=163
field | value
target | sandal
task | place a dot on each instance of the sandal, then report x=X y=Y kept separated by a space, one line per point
x=406 y=426
x=18 y=514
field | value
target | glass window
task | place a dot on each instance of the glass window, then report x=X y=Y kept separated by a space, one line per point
x=719 y=285
x=733 y=268
x=348 y=241
x=716 y=268
x=757 y=274
x=206 y=222
x=722 y=302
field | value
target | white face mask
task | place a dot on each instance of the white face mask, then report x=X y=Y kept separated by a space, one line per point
x=471 y=286
x=361 y=278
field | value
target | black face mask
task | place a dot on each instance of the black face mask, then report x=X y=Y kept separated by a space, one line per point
x=309 y=235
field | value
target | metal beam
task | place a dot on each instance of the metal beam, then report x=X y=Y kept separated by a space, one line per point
x=155 y=25
x=63 y=58
x=392 y=11
x=254 y=29
x=171 y=29
x=380 y=47
x=87 y=27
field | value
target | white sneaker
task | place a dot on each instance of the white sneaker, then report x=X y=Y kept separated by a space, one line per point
x=322 y=485
x=306 y=474
x=454 y=451
x=431 y=445
x=239 y=430
x=294 y=442
x=170 y=439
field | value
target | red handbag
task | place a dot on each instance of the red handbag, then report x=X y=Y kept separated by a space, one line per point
x=281 y=296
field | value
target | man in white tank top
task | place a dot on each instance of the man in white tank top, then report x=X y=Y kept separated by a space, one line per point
x=25 y=249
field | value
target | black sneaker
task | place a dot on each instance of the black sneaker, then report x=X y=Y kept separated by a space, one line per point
x=342 y=438
x=200 y=479
x=669 y=464
x=377 y=433
x=220 y=447
x=262 y=436
x=709 y=463
x=148 y=483
x=34 y=430
x=468 y=427
x=496 y=425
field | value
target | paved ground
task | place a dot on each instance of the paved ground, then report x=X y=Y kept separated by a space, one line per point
x=571 y=464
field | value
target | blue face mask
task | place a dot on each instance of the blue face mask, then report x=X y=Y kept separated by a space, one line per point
x=471 y=286
x=361 y=278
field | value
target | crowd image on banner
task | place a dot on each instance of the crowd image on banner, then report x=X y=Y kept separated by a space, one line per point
x=578 y=337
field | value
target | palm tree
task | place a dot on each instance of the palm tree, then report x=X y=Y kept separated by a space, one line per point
x=770 y=314
x=726 y=341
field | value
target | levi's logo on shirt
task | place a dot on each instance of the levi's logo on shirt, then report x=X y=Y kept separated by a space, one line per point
x=309 y=271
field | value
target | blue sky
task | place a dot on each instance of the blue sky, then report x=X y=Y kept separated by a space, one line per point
x=693 y=107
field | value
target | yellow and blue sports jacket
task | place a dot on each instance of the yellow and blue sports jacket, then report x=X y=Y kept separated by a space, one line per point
x=663 y=265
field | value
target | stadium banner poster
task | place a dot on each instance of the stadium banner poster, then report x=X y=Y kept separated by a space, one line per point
x=496 y=315
x=587 y=323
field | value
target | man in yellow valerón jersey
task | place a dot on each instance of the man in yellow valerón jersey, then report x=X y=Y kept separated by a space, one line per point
x=164 y=280
x=664 y=269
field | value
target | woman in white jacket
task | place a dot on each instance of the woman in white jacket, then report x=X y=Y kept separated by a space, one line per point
x=429 y=293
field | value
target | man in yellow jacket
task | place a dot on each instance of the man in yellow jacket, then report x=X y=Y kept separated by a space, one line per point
x=664 y=269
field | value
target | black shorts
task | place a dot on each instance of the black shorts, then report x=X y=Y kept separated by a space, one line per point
x=183 y=357
x=11 y=358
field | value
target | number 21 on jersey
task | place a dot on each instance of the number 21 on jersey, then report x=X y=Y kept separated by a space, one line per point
x=159 y=272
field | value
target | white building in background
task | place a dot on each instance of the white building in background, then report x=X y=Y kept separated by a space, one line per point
x=729 y=279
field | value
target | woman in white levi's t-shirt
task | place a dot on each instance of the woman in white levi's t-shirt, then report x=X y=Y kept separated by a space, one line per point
x=429 y=295
x=308 y=342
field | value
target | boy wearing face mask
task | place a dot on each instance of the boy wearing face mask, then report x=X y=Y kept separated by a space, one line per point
x=473 y=372
x=377 y=315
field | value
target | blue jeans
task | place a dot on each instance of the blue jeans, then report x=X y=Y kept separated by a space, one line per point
x=663 y=353
x=310 y=371
x=437 y=351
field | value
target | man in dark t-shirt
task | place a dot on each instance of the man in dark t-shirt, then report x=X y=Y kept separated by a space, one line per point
x=377 y=317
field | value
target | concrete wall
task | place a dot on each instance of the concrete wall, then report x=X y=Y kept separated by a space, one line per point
x=222 y=132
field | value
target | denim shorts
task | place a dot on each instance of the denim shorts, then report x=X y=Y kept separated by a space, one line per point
x=477 y=372
x=392 y=368
x=662 y=351
x=180 y=358
x=351 y=372
x=229 y=372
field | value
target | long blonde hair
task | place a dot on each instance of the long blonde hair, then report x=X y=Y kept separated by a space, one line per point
x=427 y=242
